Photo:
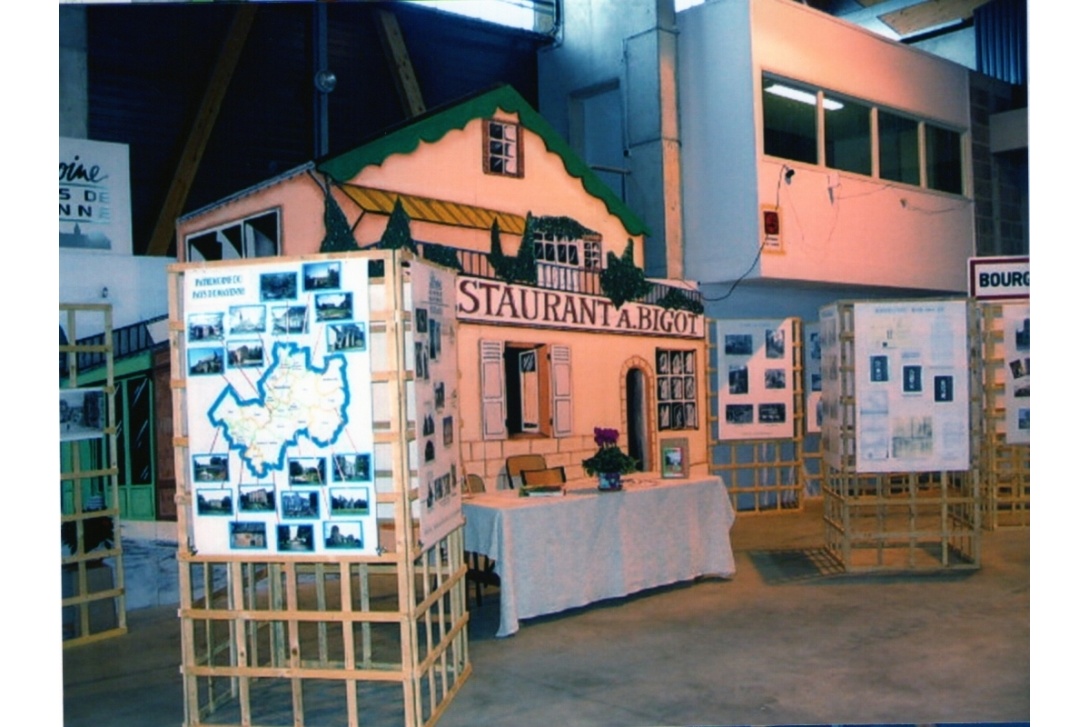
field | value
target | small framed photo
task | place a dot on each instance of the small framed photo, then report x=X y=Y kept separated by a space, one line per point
x=674 y=458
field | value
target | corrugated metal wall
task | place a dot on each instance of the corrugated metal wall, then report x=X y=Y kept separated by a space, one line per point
x=1001 y=40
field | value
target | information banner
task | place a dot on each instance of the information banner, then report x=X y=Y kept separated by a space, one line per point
x=912 y=386
x=1016 y=369
x=278 y=400
x=754 y=379
x=95 y=211
x=435 y=359
x=829 y=332
x=812 y=376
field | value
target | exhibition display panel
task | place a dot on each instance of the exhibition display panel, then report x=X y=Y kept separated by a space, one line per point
x=320 y=553
x=93 y=578
x=756 y=391
x=900 y=435
x=1005 y=371
x=553 y=553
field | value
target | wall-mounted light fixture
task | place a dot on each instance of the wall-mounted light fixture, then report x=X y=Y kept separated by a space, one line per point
x=788 y=172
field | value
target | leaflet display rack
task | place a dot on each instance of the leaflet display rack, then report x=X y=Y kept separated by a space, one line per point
x=1004 y=369
x=93 y=577
x=893 y=515
x=764 y=471
x=291 y=633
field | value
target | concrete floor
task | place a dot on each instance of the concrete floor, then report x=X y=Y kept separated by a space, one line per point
x=778 y=644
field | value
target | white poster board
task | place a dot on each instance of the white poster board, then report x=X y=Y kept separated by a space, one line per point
x=911 y=386
x=1016 y=371
x=754 y=379
x=278 y=400
x=435 y=380
x=95 y=208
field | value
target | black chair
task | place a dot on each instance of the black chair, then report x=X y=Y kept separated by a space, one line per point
x=481 y=570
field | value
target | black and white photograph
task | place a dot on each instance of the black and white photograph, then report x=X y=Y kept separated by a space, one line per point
x=279 y=286
x=295 y=538
x=333 y=306
x=299 y=504
x=690 y=362
x=205 y=327
x=662 y=364
x=345 y=337
x=1021 y=336
x=421 y=316
x=944 y=388
x=421 y=361
x=775 y=379
x=288 y=320
x=210 y=467
x=248 y=535
x=256 y=498
x=435 y=339
x=440 y=391
x=322 y=276
x=83 y=413
x=428 y=427
x=738 y=344
x=246 y=319
x=245 y=354
x=1023 y=419
x=352 y=467
x=664 y=416
x=307 y=470
x=218 y=501
x=349 y=501
x=912 y=379
x=739 y=414
x=429 y=451
x=448 y=431
x=879 y=368
x=664 y=388
x=774 y=343
x=771 y=413
x=345 y=535
x=205 y=361
x=738 y=379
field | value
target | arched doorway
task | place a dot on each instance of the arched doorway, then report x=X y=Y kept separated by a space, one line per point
x=636 y=407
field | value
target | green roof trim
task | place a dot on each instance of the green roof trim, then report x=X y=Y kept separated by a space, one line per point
x=434 y=126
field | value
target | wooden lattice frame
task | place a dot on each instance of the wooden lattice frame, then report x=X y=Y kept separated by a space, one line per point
x=95 y=613
x=768 y=474
x=1004 y=467
x=898 y=521
x=323 y=640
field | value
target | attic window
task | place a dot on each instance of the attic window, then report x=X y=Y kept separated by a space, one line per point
x=502 y=148
x=256 y=236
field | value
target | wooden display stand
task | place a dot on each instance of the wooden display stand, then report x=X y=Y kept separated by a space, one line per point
x=328 y=639
x=761 y=475
x=93 y=579
x=914 y=521
x=1004 y=465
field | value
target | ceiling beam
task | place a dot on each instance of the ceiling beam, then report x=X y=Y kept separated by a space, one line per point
x=190 y=159
x=930 y=14
x=397 y=56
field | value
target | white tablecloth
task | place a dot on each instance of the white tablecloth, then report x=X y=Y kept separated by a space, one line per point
x=556 y=553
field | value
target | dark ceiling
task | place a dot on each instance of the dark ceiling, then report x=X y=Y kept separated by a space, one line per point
x=149 y=67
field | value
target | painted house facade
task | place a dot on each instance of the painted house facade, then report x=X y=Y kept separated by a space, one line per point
x=559 y=332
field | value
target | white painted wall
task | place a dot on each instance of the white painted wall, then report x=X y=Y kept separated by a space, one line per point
x=838 y=228
x=136 y=286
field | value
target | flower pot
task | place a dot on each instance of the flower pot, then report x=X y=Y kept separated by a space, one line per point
x=609 y=480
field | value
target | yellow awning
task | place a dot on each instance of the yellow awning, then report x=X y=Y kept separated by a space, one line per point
x=433 y=210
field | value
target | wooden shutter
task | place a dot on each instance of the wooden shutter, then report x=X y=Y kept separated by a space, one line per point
x=493 y=409
x=560 y=372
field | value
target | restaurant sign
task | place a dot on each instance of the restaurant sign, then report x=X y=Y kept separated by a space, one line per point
x=493 y=301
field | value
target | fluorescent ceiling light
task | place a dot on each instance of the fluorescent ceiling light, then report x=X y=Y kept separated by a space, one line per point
x=797 y=94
